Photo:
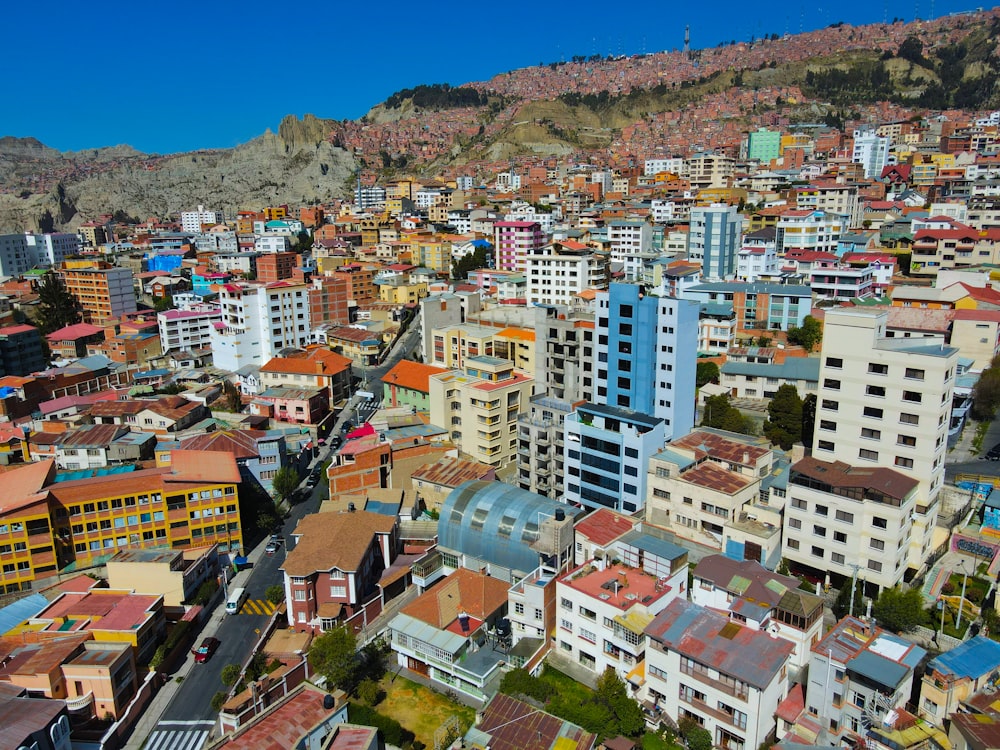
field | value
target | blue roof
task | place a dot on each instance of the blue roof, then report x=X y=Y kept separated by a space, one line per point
x=878 y=669
x=972 y=658
x=793 y=368
x=23 y=609
x=495 y=522
x=659 y=547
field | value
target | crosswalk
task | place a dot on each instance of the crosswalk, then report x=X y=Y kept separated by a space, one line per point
x=179 y=735
x=257 y=607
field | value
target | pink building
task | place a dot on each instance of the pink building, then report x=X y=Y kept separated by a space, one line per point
x=514 y=240
x=298 y=405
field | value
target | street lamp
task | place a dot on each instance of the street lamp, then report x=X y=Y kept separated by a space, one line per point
x=961 y=603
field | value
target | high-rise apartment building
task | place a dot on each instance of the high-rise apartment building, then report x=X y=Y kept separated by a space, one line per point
x=19 y=253
x=871 y=151
x=631 y=243
x=714 y=240
x=514 y=240
x=559 y=271
x=645 y=355
x=886 y=402
x=103 y=291
x=258 y=321
x=193 y=221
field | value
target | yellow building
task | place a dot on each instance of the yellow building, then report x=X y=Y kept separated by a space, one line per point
x=402 y=294
x=517 y=345
x=795 y=140
x=433 y=253
x=452 y=345
x=46 y=526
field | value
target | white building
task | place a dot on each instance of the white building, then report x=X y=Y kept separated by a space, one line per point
x=808 y=230
x=886 y=402
x=187 y=329
x=192 y=221
x=19 y=253
x=871 y=151
x=714 y=239
x=603 y=611
x=521 y=211
x=271 y=243
x=673 y=164
x=758 y=256
x=557 y=272
x=726 y=677
x=258 y=321
x=631 y=243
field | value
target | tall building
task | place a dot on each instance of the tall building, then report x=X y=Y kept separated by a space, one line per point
x=871 y=151
x=480 y=405
x=258 y=321
x=606 y=454
x=808 y=230
x=192 y=221
x=763 y=145
x=187 y=329
x=714 y=240
x=19 y=253
x=21 y=350
x=514 y=240
x=329 y=301
x=276 y=267
x=564 y=343
x=631 y=243
x=103 y=291
x=886 y=401
x=646 y=352
x=559 y=271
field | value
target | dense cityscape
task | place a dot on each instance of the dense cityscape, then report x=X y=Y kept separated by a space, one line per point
x=682 y=440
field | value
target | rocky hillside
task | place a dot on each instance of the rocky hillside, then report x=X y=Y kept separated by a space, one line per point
x=617 y=107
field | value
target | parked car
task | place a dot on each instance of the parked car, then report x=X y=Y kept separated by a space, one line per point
x=204 y=652
x=274 y=544
x=993 y=454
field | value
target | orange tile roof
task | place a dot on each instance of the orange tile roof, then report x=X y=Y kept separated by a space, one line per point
x=24 y=485
x=522 y=334
x=353 y=533
x=305 y=363
x=477 y=594
x=198 y=466
x=414 y=376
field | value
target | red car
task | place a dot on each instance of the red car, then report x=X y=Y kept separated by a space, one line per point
x=204 y=652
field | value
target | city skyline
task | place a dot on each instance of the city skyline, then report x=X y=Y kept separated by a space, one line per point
x=225 y=79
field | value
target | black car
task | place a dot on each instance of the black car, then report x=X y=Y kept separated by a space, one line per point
x=993 y=454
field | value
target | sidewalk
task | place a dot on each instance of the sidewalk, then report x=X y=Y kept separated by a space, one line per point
x=963 y=450
x=154 y=712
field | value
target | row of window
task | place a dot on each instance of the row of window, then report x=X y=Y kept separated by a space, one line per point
x=877 y=368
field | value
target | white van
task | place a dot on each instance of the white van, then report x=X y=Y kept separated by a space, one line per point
x=236 y=599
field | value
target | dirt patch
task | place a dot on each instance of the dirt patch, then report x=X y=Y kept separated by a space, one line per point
x=420 y=709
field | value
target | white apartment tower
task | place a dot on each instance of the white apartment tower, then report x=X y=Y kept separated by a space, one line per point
x=258 y=321
x=631 y=243
x=871 y=151
x=886 y=401
x=714 y=240
x=193 y=221
x=559 y=271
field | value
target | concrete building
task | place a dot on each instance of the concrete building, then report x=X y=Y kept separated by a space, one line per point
x=764 y=145
x=104 y=292
x=714 y=240
x=631 y=245
x=20 y=253
x=177 y=573
x=606 y=453
x=187 y=330
x=727 y=677
x=258 y=321
x=645 y=355
x=480 y=405
x=886 y=402
x=193 y=221
x=808 y=230
x=871 y=151
x=556 y=273
x=514 y=240
x=954 y=677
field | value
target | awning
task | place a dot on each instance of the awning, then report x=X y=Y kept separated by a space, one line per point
x=330 y=610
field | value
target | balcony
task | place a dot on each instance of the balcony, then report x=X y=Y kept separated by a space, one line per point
x=81 y=704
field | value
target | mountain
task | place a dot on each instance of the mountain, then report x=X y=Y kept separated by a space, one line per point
x=600 y=108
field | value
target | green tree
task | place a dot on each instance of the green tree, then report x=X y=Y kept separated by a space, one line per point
x=275 y=594
x=303 y=242
x=625 y=715
x=706 y=371
x=899 y=610
x=231 y=399
x=285 y=482
x=478 y=258
x=986 y=394
x=230 y=674
x=163 y=303
x=842 y=605
x=218 y=700
x=784 y=417
x=808 y=335
x=721 y=414
x=696 y=737
x=334 y=656
x=808 y=419
x=56 y=308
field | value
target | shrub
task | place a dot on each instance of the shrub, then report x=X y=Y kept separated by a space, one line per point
x=370 y=692
x=392 y=730
x=217 y=700
x=948 y=588
x=230 y=674
x=205 y=592
x=520 y=682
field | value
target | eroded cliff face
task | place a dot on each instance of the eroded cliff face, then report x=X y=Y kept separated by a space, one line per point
x=50 y=191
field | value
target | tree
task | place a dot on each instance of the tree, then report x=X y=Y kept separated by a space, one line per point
x=719 y=413
x=842 y=605
x=231 y=397
x=986 y=394
x=625 y=715
x=696 y=737
x=706 y=371
x=230 y=674
x=285 y=482
x=899 y=610
x=57 y=308
x=808 y=335
x=478 y=258
x=163 y=303
x=275 y=594
x=334 y=656
x=784 y=417
x=808 y=419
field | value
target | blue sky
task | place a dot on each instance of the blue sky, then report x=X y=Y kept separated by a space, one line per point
x=176 y=76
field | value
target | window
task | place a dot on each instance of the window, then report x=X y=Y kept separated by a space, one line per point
x=873 y=412
x=877 y=369
x=836 y=557
x=824 y=445
x=907 y=440
x=822 y=510
x=877 y=544
x=879 y=522
x=870 y=434
x=518 y=608
x=817 y=551
x=875 y=565
x=831 y=384
x=840 y=536
x=913 y=374
x=819 y=530
x=843 y=515
x=868 y=455
x=875 y=390
x=903 y=462
x=911 y=396
x=835 y=362
x=792 y=543
x=794 y=523
x=826 y=424
x=909 y=418
x=830 y=405
x=800 y=504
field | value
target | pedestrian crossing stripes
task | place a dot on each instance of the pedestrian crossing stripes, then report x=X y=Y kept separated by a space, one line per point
x=258 y=607
x=179 y=735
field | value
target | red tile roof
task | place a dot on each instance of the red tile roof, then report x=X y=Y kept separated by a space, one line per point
x=414 y=376
x=603 y=526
